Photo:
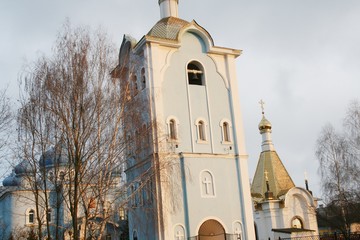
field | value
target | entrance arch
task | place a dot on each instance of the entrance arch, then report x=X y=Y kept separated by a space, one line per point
x=211 y=230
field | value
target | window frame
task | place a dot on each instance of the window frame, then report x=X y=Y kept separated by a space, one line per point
x=226 y=131
x=300 y=220
x=48 y=215
x=201 y=130
x=173 y=129
x=122 y=214
x=30 y=216
x=143 y=79
x=134 y=84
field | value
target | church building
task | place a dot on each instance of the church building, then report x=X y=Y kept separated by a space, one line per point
x=187 y=167
x=282 y=210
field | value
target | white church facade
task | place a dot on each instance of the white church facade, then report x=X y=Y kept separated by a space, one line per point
x=191 y=182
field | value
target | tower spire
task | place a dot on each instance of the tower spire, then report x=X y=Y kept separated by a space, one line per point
x=271 y=180
x=169 y=8
x=265 y=131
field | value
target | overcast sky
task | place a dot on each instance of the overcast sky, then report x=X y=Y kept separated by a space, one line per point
x=301 y=57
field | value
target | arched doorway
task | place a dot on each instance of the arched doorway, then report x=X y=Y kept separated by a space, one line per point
x=211 y=230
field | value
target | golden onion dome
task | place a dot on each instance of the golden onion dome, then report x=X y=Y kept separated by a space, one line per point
x=264 y=124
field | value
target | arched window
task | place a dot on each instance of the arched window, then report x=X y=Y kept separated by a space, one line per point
x=296 y=223
x=62 y=176
x=132 y=190
x=48 y=215
x=51 y=176
x=31 y=216
x=134 y=85
x=172 y=126
x=135 y=237
x=195 y=74
x=143 y=78
x=149 y=195
x=201 y=131
x=225 y=126
x=122 y=214
x=226 y=132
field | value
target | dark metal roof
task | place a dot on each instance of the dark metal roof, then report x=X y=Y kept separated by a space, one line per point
x=291 y=230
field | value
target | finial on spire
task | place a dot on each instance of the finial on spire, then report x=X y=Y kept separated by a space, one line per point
x=267 y=180
x=266 y=175
x=265 y=130
x=262 y=103
x=268 y=194
x=307 y=183
x=264 y=124
x=169 y=8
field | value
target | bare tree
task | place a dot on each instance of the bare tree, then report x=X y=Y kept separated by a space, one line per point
x=352 y=134
x=6 y=120
x=72 y=106
x=5 y=117
x=338 y=155
x=80 y=121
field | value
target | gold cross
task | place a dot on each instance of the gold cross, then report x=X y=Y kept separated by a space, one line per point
x=266 y=175
x=262 y=103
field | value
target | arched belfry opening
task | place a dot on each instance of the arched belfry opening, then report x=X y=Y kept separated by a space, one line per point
x=195 y=73
x=211 y=230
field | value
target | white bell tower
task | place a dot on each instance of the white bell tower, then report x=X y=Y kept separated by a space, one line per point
x=188 y=176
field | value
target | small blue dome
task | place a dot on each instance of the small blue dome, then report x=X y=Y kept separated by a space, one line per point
x=53 y=157
x=23 y=167
x=10 y=181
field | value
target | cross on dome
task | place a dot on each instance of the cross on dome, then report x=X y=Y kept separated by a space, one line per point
x=262 y=103
x=264 y=124
x=266 y=175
